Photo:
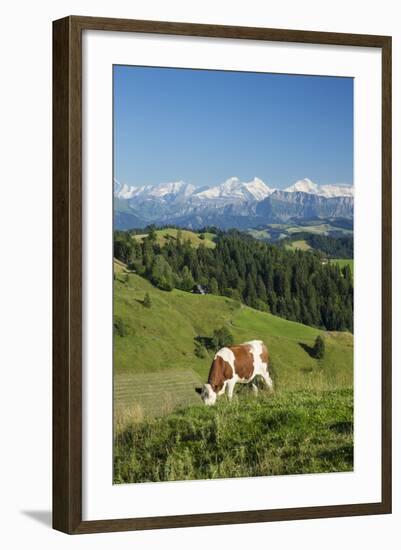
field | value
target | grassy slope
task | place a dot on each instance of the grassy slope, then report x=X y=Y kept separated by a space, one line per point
x=164 y=235
x=305 y=426
x=298 y=245
x=318 y=229
x=119 y=267
x=162 y=339
x=259 y=233
x=292 y=433
x=289 y=229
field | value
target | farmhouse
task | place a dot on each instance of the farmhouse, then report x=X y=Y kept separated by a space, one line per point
x=199 y=289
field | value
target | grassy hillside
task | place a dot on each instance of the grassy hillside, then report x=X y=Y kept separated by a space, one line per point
x=119 y=267
x=298 y=245
x=163 y=431
x=291 y=433
x=164 y=235
x=276 y=231
x=159 y=344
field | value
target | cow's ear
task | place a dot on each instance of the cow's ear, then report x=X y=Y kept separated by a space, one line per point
x=198 y=390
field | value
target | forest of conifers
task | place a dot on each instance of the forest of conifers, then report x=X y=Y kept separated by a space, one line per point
x=295 y=285
x=333 y=247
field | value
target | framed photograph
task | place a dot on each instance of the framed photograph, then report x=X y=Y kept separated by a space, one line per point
x=222 y=274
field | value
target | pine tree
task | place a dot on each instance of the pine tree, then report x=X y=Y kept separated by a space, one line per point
x=261 y=289
x=250 y=292
x=161 y=273
x=147 y=301
x=213 y=286
x=187 y=279
x=152 y=233
x=319 y=347
x=222 y=337
x=147 y=254
x=273 y=302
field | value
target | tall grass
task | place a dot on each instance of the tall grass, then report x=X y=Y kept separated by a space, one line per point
x=289 y=433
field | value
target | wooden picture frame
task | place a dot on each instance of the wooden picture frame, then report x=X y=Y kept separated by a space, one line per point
x=67 y=274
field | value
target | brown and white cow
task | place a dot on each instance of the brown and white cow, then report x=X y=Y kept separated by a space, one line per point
x=236 y=364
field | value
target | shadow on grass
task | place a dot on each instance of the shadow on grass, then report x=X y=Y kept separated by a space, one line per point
x=342 y=427
x=205 y=341
x=309 y=349
x=143 y=303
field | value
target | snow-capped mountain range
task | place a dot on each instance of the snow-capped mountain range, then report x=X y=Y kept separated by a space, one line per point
x=235 y=189
x=232 y=188
x=182 y=203
x=176 y=188
x=328 y=191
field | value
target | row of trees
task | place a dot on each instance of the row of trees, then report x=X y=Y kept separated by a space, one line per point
x=332 y=247
x=293 y=285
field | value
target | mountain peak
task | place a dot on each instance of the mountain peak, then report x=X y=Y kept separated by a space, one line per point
x=123 y=191
x=303 y=186
x=258 y=189
x=328 y=190
x=171 y=188
x=338 y=190
x=234 y=189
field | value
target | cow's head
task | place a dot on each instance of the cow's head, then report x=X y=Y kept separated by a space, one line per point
x=207 y=394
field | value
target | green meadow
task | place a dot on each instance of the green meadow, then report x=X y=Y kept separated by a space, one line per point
x=305 y=425
x=290 y=433
x=299 y=245
x=163 y=236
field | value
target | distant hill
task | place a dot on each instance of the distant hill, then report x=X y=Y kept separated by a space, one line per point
x=330 y=247
x=298 y=245
x=329 y=227
x=163 y=236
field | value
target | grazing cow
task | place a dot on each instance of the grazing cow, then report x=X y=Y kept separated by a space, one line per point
x=236 y=364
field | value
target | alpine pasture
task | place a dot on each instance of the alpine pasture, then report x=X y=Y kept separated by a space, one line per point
x=164 y=432
x=164 y=235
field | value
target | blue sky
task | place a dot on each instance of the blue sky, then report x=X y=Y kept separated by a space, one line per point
x=205 y=126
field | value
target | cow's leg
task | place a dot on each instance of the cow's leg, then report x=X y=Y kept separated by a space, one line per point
x=230 y=389
x=268 y=381
x=254 y=388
